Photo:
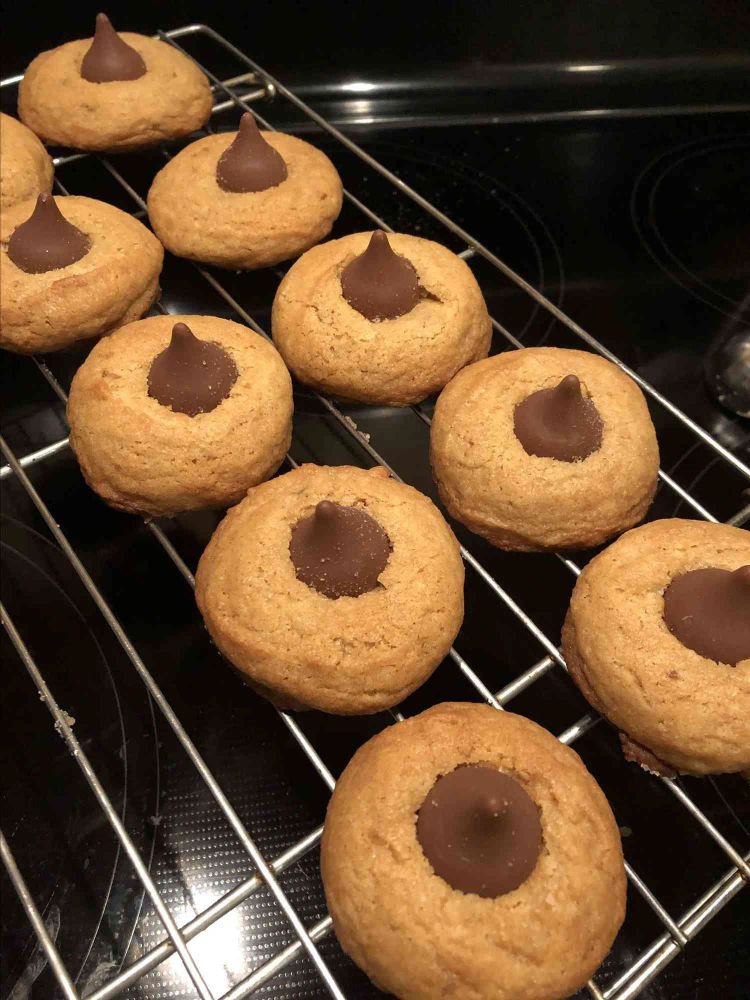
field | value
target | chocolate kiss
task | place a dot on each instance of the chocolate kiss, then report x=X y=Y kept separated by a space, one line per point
x=250 y=163
x=191 y=376
x=109 y=58
x=480 y=830
x=708 y=610
x=46 y=241
x=339 y=551
x=558 y=423
x=379 y=283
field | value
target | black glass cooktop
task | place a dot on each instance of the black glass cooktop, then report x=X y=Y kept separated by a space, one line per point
x=639 y=228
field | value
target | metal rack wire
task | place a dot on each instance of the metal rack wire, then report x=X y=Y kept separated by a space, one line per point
x=244 y=92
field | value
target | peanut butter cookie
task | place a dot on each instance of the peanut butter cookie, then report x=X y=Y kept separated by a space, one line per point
x=177 y=413
x=245 y=199
x=113 y=92
x=380 y=319
x=72 y=268
x=467 y=853
x=544 y=448
x=25 y=166
x=658 y=639
x=333 y=588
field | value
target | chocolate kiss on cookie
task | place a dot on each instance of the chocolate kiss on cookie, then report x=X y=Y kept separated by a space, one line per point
x=708 y=610
x=339 y=551
x=380 y=284
x=250 y=163
x=559 y=423
x=46 y=241
x=191 y=376
x=480 y=830
x=109 y=58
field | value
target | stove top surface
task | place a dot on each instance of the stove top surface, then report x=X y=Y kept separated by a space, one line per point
x=638 y=228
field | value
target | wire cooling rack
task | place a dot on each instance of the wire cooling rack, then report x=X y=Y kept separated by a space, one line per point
x=246 y=90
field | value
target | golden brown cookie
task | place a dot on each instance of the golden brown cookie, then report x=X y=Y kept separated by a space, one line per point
x=679 y=709
x=270 y=611
x=25 y=166
x=115 y=281
x=196 y=429
x=416 y=935
x=198 y=218
x=397 y=358
x=169 y=99
x=529 y=500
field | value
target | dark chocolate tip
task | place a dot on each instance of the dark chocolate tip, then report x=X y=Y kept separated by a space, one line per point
x=380 y=284
x=708 y=610
x=339 y=551
x=109 y=58
x=480 y=830
x=191 y=376
x=570 y=387
x=559 y=423
x=46 y=241
x=250 y=163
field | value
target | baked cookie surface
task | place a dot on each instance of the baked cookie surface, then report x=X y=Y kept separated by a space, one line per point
x=195 y=217
x=348 y=655
x=690 y=713
x=143 y=455
x=529 y=501
x=170 y=99
x=114 y=282
x=332 y=346
x=413 y=933
x=26 y=168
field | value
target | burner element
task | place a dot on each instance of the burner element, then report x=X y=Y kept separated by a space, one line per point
x=690 y=208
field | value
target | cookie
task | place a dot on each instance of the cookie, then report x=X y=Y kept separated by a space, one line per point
x=544 y=448
x=245 y=199
x=178 y=413
x=25 y=166
x=380 y=319
x=657 y=637
x=72 y=268
x=337 y=589
x=113 y=92
x=467 y=853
